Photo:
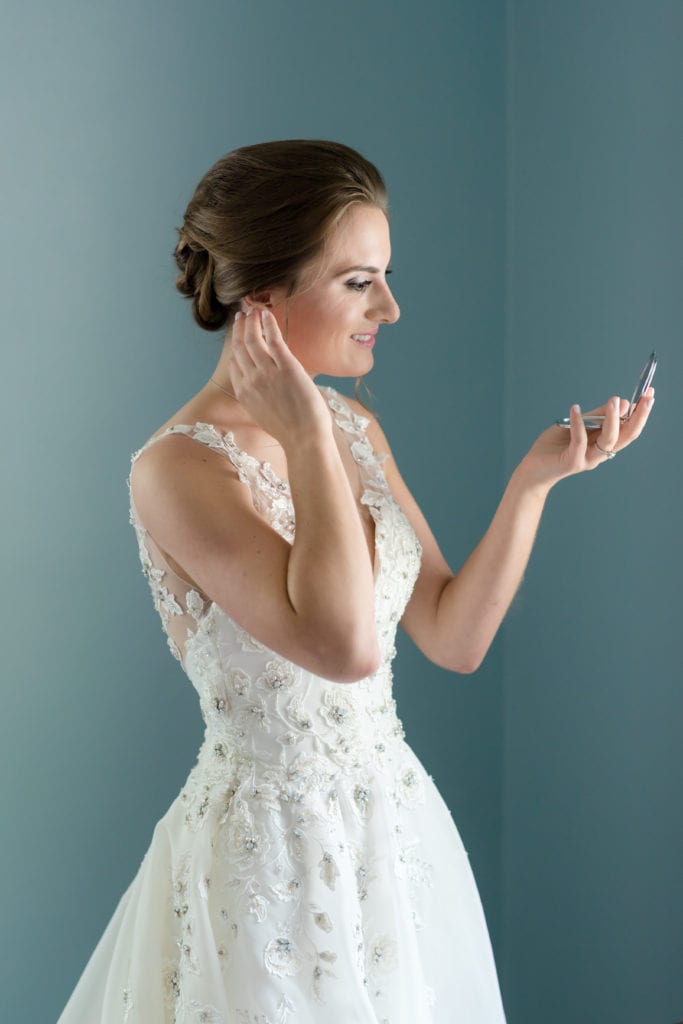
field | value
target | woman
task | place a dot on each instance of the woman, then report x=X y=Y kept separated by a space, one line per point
x=309 y=869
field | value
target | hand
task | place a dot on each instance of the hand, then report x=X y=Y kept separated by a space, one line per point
x=270 y=382
x=559 y=452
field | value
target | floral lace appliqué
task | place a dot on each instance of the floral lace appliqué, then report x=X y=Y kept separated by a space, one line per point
x=275 y=826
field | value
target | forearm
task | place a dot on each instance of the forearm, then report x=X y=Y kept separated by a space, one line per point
x=474 y=602
x=330 y=574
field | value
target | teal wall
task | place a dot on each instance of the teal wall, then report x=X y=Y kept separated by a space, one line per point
x=533 y=157
x=592 y=857
x=112 y=113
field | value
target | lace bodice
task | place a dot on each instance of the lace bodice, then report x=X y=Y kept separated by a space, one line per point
x=308 y=869
x=215 y=652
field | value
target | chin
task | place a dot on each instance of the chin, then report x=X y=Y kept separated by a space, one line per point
x=355 y=367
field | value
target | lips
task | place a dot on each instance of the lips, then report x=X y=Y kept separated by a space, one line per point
x=367 y=340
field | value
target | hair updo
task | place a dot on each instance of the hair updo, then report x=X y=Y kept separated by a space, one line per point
x=260 y=214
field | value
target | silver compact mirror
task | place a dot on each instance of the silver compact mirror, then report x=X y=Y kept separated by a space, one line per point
x=644 y=381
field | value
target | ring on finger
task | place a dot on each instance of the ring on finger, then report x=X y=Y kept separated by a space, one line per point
x=605 y=451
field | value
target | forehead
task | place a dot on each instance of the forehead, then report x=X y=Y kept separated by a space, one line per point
x=362 y=233
x=360 y=238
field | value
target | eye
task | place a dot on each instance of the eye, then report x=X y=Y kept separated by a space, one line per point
x=360 y=286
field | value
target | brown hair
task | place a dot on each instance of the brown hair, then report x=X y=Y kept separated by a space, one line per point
x=260 y=214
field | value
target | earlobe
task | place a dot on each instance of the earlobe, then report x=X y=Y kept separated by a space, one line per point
x=259 y=299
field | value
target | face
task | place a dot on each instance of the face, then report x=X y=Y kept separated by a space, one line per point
x=331 y=325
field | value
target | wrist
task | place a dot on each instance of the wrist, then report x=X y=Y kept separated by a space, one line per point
x=313 y=434
x=525 y=482
x=313 y=445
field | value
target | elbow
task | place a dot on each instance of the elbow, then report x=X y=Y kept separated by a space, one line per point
x=463 y=663
x=348 y=662
x=467 y=668
x=353 y=666
x=367 y=664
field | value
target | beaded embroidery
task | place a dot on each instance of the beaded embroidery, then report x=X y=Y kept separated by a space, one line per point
x=290 y=763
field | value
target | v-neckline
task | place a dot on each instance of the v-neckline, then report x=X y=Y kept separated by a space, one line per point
x=267 y=470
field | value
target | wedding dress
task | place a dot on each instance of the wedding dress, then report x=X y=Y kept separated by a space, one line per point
x=309 y=870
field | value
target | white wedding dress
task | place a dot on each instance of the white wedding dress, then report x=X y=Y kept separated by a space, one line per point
x=309 y=871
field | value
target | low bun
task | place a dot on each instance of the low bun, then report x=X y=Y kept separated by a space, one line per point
x=196 y=281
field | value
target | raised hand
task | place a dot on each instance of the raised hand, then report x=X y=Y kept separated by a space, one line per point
x=559 y=452
x=270 y=382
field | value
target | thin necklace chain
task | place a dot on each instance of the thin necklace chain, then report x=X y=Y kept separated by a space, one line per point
x=276 y=444
x=224 y=389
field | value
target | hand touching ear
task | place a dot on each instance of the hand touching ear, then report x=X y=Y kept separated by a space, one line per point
x=270 y=382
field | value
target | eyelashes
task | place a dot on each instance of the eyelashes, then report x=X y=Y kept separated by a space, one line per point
x=360 y=286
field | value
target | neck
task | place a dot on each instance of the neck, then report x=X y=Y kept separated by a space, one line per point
x=225 y=390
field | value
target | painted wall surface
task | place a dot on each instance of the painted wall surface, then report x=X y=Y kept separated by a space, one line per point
x=111 y=113
x=533 y=157
x=593 y=831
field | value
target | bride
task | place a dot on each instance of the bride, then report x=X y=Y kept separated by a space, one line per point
x=309 y=869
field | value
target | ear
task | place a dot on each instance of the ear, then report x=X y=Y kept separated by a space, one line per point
x=258 y=299
x=270 y=297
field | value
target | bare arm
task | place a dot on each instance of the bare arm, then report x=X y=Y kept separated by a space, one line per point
x=453 y=617
x=467 y=608
x=313 y=601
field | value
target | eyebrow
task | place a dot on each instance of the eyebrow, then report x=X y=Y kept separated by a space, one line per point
x=369 y=270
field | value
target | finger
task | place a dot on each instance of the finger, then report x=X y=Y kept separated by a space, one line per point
x=633 y=427
x=599 y=411
x=253 y=334
x=645 y=402
x=239 y=353
x=609 y=434
x=578 y=437
x=271 y=335
x=279 y=350
x=254 y=342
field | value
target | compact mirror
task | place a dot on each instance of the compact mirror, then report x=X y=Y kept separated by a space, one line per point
x=644 y=381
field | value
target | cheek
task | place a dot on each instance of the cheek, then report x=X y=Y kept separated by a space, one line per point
x=319 y=317
x=339 y=308
x=325 y=317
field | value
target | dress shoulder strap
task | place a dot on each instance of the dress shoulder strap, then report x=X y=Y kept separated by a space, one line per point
x=270 y=494
x=207 y=434
x=344 y=416
x=355 y=426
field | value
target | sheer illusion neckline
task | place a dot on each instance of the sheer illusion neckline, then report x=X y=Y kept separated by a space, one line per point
x=332 y=398
x=347 y=420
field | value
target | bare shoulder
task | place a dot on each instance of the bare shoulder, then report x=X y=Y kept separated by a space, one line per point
x=163 y=455
x=227 y=420
x=198 y=410
x=180 y=486
x=167 y=455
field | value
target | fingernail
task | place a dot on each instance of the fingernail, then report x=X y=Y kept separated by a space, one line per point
x=239 y=314
x=576 y=408
x=250 y=311
x=616 y=402
x=264 y=314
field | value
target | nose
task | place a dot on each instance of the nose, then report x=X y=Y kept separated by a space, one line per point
x=385 y=308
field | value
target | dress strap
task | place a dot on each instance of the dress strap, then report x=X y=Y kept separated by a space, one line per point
x=355 y=425
x=208 y=435
x=270 y=494
x=345 y=417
